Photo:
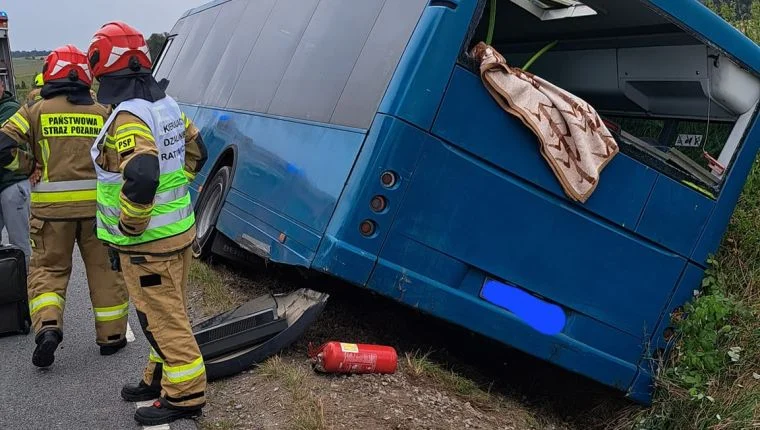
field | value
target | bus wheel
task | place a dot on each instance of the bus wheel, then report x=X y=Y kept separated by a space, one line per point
x=207 y=211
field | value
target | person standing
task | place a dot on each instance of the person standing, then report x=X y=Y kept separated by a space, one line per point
x=146 y=156
x=54 y=136
x=14 y=189
x=34 y=94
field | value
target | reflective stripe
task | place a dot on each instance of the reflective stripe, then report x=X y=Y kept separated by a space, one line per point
x=186 y=120
x=44 y=300
x=168 y=189
x=187 y=372
x=154 y=357
x=85 y=184
x=171 y=195
x=166 y=182
x=15 y=164
x=155 y=221
x=112 y=313
x=190 y=176
x=108 y=211
x=112 y=234
x=20 y=122
x=65 y=191
x=110 y=142
x=132 y=210
x=129 y=129
x=160 y=200
x=65 y=197
x=45 y=149
x=133 y=126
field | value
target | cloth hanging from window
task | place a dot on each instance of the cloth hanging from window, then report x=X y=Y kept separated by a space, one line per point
x=572 y=137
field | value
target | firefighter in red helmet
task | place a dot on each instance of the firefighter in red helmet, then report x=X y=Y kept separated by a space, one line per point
x=146 y=157
x=50 y=139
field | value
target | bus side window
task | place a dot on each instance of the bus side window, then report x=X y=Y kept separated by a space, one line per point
x=196 y=31
x=271 y=54
x=168 y=57
x=208 y=53
x=157 y=71
x=317 y=72
x=241 y=40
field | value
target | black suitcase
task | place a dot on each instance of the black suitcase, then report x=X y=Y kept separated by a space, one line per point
x=14 y=304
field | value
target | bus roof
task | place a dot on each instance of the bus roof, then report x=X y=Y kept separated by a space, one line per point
x=203 y=7
x=691 y=15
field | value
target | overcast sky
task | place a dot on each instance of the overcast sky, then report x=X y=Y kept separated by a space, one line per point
x=44 y=24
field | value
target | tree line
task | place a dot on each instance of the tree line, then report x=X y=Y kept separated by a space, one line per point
x=28 y=54
x=742 y=14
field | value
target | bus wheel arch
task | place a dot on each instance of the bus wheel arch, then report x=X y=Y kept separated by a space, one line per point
x=210 y=202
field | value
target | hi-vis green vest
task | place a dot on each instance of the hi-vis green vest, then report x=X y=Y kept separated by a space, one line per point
x=172 y=212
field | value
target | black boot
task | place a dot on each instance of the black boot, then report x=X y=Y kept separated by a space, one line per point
x=161 y=412
x=112 y=348
x=44 y=353
x=140 y=392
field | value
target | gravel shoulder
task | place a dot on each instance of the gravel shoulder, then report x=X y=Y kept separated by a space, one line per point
x=447 y=378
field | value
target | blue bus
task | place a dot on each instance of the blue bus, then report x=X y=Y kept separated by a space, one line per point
x=356 y=139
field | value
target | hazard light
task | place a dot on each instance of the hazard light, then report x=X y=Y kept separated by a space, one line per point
x=3 y=19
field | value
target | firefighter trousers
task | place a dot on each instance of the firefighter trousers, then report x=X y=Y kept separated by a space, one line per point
x=157 y=286
x=50 y=269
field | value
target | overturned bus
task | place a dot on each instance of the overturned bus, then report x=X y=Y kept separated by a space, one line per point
x=356 y=138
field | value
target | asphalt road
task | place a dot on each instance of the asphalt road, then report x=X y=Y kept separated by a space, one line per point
x=81 y=390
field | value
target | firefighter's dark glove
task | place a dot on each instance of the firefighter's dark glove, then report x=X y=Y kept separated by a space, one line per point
x=126 y=231
x=113 y=256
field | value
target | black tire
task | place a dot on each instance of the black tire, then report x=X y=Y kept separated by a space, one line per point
x=207 y=211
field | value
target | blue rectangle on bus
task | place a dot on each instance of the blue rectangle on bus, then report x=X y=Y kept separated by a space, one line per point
x=542 y=316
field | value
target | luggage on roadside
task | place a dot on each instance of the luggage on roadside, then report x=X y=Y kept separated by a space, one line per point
x=14 y=303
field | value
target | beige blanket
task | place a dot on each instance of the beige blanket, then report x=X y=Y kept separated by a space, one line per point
x=573 y=139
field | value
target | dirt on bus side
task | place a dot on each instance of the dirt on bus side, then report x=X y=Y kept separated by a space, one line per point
x=448 y=378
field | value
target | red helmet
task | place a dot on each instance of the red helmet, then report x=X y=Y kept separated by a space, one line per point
x=117 y=47
x=67 y=62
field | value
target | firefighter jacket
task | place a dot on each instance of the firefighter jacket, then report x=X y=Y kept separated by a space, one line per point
x=146 y=157
x=56 y=135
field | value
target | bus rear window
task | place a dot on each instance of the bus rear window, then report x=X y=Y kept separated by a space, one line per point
x=684 y=149
x=673 y=102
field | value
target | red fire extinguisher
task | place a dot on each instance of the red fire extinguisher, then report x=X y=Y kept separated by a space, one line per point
x=338 y=357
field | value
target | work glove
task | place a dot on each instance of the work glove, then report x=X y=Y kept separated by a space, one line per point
x=113 y=257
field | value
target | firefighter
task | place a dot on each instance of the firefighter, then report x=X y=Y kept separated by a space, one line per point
x=34 y=94
x=52 y=137
x=147 y=217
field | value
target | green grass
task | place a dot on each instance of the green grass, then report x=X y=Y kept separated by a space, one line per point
x=307 y=408
x=217 y=296
x=24 y=70
x=420 y=365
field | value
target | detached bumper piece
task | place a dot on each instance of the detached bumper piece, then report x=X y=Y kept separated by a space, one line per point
x=234 y=341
